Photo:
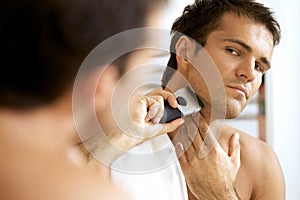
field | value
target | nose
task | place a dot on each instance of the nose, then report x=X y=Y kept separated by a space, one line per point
x=246 y=71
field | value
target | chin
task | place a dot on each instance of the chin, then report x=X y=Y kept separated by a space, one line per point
x=231 y=116
x=234 y=109
x=232 y=113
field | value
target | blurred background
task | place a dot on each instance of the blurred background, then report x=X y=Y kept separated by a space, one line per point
x=274 y=114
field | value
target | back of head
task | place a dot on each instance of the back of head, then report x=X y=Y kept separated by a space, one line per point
x=205 y=16
x=44 y=42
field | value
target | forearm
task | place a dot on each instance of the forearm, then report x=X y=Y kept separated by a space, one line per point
x=108 y=148
x=229 y=196
x=213 y=194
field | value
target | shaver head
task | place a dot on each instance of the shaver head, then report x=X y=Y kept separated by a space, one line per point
x=188 y=103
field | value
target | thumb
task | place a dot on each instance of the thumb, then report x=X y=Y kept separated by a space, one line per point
x=234 y=149
x=172 y=126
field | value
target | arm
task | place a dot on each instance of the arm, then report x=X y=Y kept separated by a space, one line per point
x=272 y=185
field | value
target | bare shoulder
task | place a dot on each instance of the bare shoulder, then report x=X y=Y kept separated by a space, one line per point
x=260 y=165
x=252 y=149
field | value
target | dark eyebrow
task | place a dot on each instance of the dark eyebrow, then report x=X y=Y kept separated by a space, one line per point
x=249 y=49
x=265 y=60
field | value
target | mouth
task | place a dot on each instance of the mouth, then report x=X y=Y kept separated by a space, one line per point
x=240 y=89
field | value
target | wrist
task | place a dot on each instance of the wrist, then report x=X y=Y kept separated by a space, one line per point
x=106 y=147
x=231 y=194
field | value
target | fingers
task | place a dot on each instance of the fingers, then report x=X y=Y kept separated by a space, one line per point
x=187 y=140
x=180 y=152
x=234 y=148
x=186 y=153
x=156 y=104
x=155 y=107
x=138 y=111
x=170 y=97
x=147 y=111
x=172 y=126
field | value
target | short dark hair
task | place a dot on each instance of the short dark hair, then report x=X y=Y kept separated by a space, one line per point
x=204 y=16
x=44 y=42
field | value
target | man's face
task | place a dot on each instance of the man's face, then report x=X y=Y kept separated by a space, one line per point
x=241 y=50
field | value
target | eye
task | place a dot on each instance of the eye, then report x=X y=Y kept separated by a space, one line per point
x=259 y=68
x=232 y=51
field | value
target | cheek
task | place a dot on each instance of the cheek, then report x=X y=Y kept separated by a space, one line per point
x=255 y=86
x=206 y=88
x=222 y=61
x=197 y=82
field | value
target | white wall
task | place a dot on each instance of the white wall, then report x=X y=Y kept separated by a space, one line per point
x=174 y=10
x=283 y=94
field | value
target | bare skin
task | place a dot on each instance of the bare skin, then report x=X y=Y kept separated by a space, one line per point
x=256 y=178
x=44 y=161
x=249 y=161
x=241 y=50
x=247 y=168
x=35 y=151
x=260 y=175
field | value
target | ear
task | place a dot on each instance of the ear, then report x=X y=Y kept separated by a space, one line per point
x=183 y=46
x=105 y=87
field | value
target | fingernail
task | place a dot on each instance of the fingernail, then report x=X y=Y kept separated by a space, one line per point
x=179 y=149
x=204 y=129
x=237 y=136
x=155 y=109
x=181 y=121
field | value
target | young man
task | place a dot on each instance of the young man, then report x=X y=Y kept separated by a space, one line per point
x=239 y=37
x=43 y=44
